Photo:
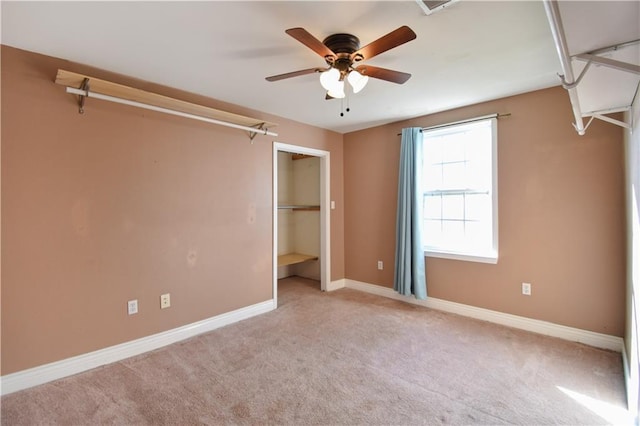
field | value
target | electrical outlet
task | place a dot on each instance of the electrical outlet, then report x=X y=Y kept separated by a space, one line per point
x=165 y=301
x=132 y=307
x=526 y=289
x=380 y=265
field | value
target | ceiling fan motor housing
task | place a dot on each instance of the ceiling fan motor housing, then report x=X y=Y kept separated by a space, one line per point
x=343 y=45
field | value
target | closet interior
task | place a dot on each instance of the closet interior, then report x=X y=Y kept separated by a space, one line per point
x=298 y=215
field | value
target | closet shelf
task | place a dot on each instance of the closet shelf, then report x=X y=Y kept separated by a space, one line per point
x=293 y=258
x=615 y=59
x=299 y=207
x=91 y=87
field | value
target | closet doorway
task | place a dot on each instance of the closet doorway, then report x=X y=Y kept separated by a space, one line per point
x=298 y=209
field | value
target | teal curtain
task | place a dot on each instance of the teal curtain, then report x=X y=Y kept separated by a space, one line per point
x=410 y=266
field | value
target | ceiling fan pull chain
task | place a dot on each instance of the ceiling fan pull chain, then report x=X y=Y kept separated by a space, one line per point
x=342 y=107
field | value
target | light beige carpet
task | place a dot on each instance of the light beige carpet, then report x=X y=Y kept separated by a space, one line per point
x=341 y=358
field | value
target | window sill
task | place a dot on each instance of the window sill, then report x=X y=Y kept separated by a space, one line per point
x=477 y=257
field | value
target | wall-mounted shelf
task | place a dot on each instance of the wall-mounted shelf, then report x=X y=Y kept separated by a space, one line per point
x=293 y=258
x=300 y=156
x=90 y=87
x=299 y=207
x=600 y=69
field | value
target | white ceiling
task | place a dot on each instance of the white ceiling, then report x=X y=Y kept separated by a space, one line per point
x=471 y=51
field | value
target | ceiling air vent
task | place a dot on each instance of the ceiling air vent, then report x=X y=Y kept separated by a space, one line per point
x=431 y=6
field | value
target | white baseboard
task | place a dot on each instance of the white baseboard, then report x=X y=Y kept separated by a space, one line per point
x=38 y=375
x=56 y=370
x=337 y=284
x=590 y=338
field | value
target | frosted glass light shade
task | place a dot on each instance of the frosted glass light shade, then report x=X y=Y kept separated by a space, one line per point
x=357 y=80
x=329 y=79
x=337 y=91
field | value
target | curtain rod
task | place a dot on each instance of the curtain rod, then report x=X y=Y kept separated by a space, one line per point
x=469 y=120
x=90 y=94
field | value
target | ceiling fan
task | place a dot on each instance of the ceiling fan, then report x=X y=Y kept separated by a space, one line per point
x=342 y=53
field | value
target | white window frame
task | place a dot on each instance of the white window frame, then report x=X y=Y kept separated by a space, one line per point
x=475 y=256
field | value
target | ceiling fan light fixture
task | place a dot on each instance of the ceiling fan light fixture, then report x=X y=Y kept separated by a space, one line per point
x=341 y=51
x=337 y=91
x=357 y=80
x=330 y=79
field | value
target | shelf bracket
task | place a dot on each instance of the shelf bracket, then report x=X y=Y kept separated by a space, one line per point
x=259 y=126
x=573 y=85
x=85 y=88
x=611 y=120
x=610 y=63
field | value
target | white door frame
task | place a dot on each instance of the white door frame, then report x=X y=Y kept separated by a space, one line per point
x=325 y=250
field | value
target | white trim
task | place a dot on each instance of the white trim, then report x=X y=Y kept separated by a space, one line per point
x=489 y=258
x=494 y=188
x=274 y=236
x=591 y=338
x=631 y=390
x=627 y=378
x=56 y=370
x=325 y=211
x=337 y=284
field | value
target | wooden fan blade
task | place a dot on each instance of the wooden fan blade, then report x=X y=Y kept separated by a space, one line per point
x=310 y=41
x=294 y=74
x=394 y=39
x=384 y=74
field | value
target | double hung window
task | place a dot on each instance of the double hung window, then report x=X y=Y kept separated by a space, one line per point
x=460 y=208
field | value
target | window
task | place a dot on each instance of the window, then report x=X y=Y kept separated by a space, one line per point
x=460 y=191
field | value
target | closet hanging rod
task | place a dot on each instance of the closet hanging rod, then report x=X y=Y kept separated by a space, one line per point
x=568 y=80
x=90 y=94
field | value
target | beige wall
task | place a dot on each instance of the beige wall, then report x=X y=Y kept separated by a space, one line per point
x=122 y=203
x=561 y=215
